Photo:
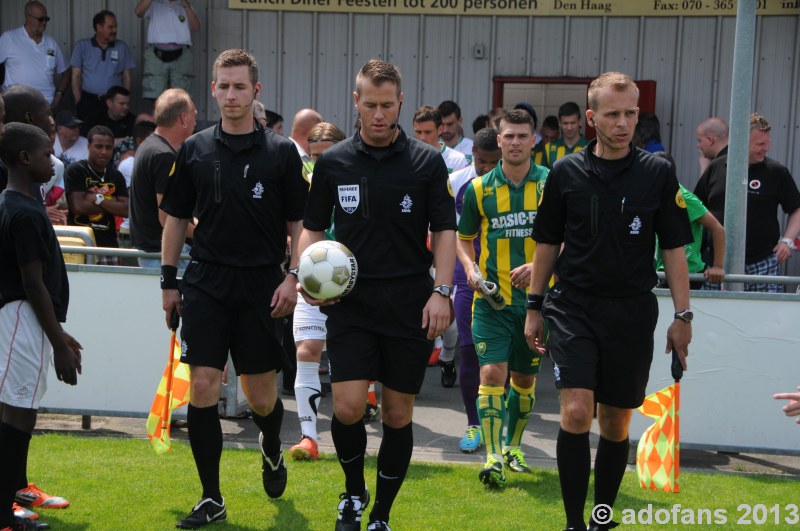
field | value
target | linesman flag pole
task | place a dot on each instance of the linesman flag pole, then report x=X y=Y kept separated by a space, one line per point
x=658 y=454
x=172 y=393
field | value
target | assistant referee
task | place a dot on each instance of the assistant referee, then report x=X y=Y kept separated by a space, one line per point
x=245 y=186
x=606 y=204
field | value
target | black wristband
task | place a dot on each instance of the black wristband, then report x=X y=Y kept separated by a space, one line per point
x=169 y=277
x=293 y=271
x=534 y=302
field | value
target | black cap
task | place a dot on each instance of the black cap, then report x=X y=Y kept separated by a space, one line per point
x=529 y=108
x=67 y=119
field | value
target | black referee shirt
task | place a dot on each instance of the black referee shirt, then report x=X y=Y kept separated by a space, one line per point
x=243 y=189
x=607 y=213
x=385 y=200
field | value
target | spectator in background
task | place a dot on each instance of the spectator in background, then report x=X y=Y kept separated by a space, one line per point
x=648 y=133
x=140 y=132
x=769 y=185
x=117 y=117
x=792 y=409
x=98 y=64
x=53 y=190
x=168 y=56
x=259 y=112
x=712 y=140
x=274 y=121
x=69 y=146
x=97 y=193
x=304 y=122
x=480 y=122
x=495 y=115
x=175 y=118
x=33 y=58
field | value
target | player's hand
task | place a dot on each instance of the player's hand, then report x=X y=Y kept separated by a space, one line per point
x=472 y=280
x=714 y=274
x=521 y=276
x=171 y=301
x=285 y=298
x=792 y=409
x=311 y=300
x=679 y=335
x=76 y=350
x=65 y=363
x=436 y=315
x=534 y=331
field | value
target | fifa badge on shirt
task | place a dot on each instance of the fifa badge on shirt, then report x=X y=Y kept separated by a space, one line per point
x=349 y=197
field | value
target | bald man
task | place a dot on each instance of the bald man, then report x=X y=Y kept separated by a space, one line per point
x=304 y=122
x=712 y=140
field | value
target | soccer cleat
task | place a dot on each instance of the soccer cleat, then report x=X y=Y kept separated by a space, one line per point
x=23 y=512
x=378 y=525
x=492 y=474
x=32 y=496
x=438 y=344
x=471 y=440
x=448 y=373
x=273 y=471
x=515 y=460
x=205 y=512
x=602 y=527
x=26 y=524
x=350 y=510
x=305 y=450
x=371 y=412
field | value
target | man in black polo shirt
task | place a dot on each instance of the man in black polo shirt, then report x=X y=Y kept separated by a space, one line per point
x=245 y=186
x=384 y=190
x=606 y=204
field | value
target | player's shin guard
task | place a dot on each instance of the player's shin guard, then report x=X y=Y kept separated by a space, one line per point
x=350 y=442
x=393 y=459
x=449 y=342
x=205 y=437
x=307 y=392
x=492 y=413
x=519 y=405
x=270 y=426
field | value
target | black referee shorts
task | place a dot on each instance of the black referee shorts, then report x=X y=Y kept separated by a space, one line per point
x=226 y=309
x=601 y=343
x=375 y=333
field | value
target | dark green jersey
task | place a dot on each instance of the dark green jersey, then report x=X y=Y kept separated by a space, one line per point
x=503 y=215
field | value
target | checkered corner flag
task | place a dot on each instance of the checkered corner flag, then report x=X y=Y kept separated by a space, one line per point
x=658 y=453
x=172 y=393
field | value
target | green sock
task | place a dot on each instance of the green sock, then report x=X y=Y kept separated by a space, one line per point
x=491 y=413
x=519 y=404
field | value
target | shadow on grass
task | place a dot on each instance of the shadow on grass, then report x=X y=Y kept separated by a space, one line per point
x=57 y=523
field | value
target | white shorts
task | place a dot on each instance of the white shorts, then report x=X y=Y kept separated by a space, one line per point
x=25 y=354
x=309 y=322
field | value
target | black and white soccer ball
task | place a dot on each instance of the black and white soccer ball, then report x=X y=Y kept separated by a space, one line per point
x=327 y=270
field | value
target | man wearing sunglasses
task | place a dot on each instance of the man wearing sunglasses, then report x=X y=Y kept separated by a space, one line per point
x=33 y=58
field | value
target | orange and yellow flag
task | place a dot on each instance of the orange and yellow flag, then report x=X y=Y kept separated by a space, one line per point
x=658 y=453
x=168 y=397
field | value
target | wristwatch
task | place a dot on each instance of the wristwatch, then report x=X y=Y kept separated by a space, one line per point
x=789 y=243
x=293 y=271
x=99 y=199
x=686 y=316
x=443 y=290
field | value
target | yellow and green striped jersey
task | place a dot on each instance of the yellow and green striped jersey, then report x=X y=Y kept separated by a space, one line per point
x=537 y=153
x=503 y=214
x=556 y=149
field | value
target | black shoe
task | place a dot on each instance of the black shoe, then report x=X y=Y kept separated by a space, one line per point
x=205 y=512
x=273 y=472
x=602 y=527
x=378 y=525
x=448 y=373
x=351 y=508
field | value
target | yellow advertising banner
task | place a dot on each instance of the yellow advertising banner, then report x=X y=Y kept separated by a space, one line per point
x=539 y=8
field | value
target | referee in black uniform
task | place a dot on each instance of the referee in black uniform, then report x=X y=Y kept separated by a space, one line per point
x=606 y=204
x=386 y=191
x=246 y=187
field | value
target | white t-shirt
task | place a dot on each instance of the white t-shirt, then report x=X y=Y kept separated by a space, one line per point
x=452 y=159
x=464 y=147
x=126 y=169
x=78 y=151
x=29 y=63
x=168 y=23
x=458 y=179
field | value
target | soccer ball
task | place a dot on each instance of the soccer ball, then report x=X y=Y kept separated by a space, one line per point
x=327 y=270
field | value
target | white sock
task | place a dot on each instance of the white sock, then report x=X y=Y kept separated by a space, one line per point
x=450 y=339
x=307 y=393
